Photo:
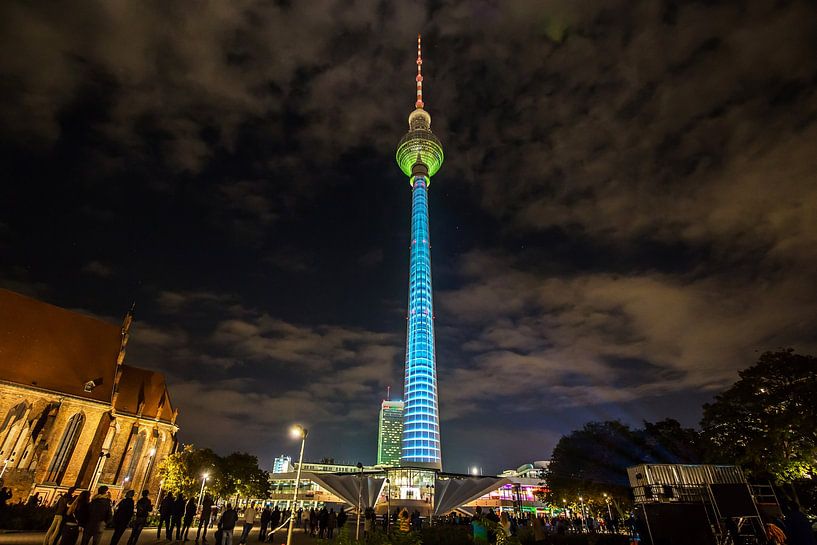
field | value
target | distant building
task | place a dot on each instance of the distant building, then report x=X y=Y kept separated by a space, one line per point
x=71 y=412
x=534 y=470
x=390 y=432
x=282 y=464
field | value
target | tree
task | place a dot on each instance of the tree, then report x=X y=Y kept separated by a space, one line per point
x=246 y=478
x=767 y=420
x=182 y=471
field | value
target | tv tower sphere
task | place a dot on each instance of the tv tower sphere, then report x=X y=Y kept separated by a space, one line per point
x=419 y=152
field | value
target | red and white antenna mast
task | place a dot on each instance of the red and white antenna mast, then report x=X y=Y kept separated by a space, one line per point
x=419 y=103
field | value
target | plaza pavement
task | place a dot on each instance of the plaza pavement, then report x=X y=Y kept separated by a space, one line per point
x=148 y=537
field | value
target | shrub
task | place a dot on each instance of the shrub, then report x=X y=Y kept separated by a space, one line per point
x=26 y=517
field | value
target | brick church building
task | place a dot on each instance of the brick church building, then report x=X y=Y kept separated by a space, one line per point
x=71 y=412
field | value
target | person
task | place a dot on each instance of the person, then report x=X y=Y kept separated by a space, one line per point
x=323 y=522
x=5 y=496
x=227 y=525
x=505 y=523
x=331 y=523
x=99 y=514
x=165 y=514
x=300 y=516
x=262 y=530
x=143 y=509
x=342 y=516
x=189 y=514
x=313 y=521
x=206 y=514
x=405 y=523
x=122 y=516
x=274 y=521
x=368 y=520
x=75 y=518
x=478 y=528
x=177 y=516
x=798 y=527
x=34 y=500
x=53 y=532
x=249 y=519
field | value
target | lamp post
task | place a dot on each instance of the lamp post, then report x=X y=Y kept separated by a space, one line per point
x=584 y=522
x=159 y=494
x=564 y=506
x=297 y=431
x=430 y=494
x=388 y=505
x=609 y=511
x=201 y=492
x=359 y=499
x=5 y=465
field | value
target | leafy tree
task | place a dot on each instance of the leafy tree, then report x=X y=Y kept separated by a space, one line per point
x=182 y=471
x=246 y=478
x=767 y=420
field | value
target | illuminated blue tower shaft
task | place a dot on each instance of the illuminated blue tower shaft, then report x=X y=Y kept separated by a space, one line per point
x=421 y=422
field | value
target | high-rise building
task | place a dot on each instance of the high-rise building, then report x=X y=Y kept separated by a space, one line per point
x=389 y=433
x=420 y=155
x=282 y=464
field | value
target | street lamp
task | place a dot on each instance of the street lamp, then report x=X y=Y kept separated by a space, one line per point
x=609 y=511
x=297 y=432
x=388 y=505
x=584 y=516
x=201 y=492
x=148 y=467
x=359 y=500
x=5 y=465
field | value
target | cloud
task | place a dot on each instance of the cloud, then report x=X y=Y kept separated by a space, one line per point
x=97 y=268
x=570 y=335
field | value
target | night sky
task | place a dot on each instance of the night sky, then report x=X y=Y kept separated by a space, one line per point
x=626 y=215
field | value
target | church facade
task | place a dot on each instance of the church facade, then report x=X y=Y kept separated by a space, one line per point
x=73 y=413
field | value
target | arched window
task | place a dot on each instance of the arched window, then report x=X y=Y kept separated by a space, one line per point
x=62 y=455
x=136 y=454
x=11 y=425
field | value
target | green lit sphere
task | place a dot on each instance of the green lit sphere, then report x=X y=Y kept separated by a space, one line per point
x=420 y=142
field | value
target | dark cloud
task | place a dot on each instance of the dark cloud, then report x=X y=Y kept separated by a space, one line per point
x=625 y=216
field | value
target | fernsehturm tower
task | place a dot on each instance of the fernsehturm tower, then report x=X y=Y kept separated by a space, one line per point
x=419 y=156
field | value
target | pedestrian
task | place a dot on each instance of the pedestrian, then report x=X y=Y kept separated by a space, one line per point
x=262 y=531
x=99 y=514
x=300 y=516
x=122 y=516
x=505 y=523
x=189 y=514
x=342 y=518
x=53 y=532
x=274 y=521
x=323 y=522
x=165 y=514
x=368 y=521
x=478 y=528
x=405 y=523
x=227 y=525
x=75 y=518
x=798 y=526
x=143 y=509
x=205 y=517
x=331 y=523
x=34 y=500
x=5 y=496
x=249 y=519
x=177 y=516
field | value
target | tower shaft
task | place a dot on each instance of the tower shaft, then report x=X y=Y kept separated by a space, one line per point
x=421 y=422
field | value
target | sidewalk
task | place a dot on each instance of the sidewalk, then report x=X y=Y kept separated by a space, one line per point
x=148 y=537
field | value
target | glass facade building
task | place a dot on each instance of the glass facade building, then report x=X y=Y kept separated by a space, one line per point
x=389 y=433
x=420 y=155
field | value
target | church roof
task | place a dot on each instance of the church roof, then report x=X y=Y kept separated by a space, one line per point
x=141 y=386
x=57 y=349
x=61 y=350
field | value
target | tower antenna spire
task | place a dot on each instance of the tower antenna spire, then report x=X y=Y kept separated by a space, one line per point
x=419 y=103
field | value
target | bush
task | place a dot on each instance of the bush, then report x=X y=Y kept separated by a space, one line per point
x=26 y=518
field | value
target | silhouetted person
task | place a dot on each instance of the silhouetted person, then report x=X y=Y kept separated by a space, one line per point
x=165 y=514
x=177 y=516
x=189 y=513
x=798 y=526
x=206 y=513
x=53 y=532
x=99 y=514
x=122 y=516
x=227 y=525
x=143 y=509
